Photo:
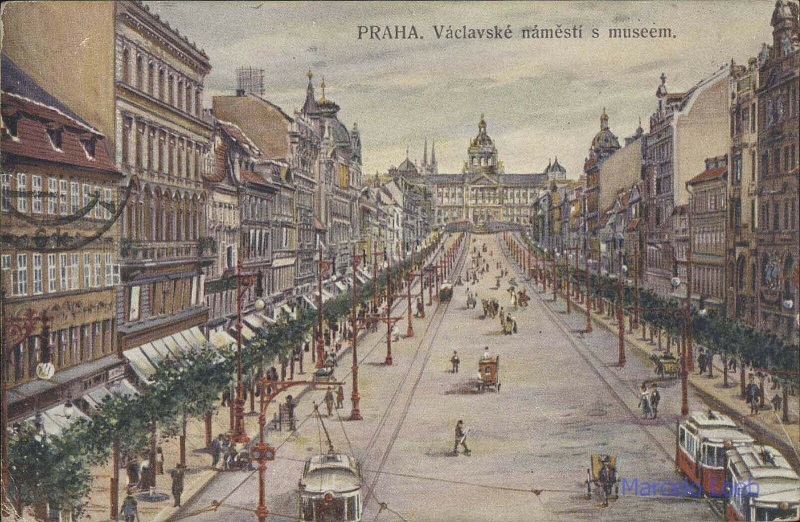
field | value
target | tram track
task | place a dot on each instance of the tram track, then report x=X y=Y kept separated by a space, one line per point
x=588 y=357
x=427 y=339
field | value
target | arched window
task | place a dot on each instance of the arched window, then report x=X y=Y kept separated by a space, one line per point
x=788 y=277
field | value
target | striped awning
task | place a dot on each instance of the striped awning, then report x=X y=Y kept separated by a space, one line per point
x=54 y=419
x=144 y=359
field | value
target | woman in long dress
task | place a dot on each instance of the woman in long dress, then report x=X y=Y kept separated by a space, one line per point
x=644 y=402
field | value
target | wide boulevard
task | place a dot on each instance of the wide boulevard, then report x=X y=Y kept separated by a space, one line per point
x=563 y=398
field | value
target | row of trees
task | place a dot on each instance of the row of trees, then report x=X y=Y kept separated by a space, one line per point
x=720 y=335
x=55 y=469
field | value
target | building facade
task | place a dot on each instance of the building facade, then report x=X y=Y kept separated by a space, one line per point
x=60 y=208
x=776 y=235
x=163 y=147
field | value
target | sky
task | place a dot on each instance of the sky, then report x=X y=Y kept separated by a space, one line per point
x=542 y=98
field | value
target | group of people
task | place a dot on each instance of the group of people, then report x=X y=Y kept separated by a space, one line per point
x=222 y=448
x=329 y=399
x=507 y=323
x=649 y=400
x=139 y=476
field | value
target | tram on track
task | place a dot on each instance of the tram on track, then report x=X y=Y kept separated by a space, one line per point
x=700 y=448
x=330 y=488
x=762 y=485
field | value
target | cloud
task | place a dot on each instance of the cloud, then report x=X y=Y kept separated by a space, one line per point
x=542 y=98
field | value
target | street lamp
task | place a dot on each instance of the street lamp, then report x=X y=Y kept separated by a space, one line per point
x=243 y=283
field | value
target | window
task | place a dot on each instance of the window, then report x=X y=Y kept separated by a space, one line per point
x=150 y=71
x=171 y=89
x=134 y=303
x=109 y=201
x=138 y=145
x=62 y=196
x=87 y=270
x=64 y=272
x=6 y=262
x=112 y=271
x=87 y=193
x=56 y=137
x=6 y=190
x=22 y=192
x=752 y=165
x=753 y=119
x=161 y=84
x=36 y=192
x=52 y=273
x=20 y=276
x=776 y=161
x=765 y=164
x=188 y=98
x=125 y=141
x=52 y=195
x=89 y=146
x=98 y=268
x=745 y=119
x=179 y=94
x=74 y=194
x=786 y=217
x=776 y=211
x=786 y=164
x=126 y=64
x=37 y=274
x=73 y=272
x=139 y=71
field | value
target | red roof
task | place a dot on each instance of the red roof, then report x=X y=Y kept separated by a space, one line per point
x=249 y=176
x=32 y=139
x=238 y=136
x=707 y=175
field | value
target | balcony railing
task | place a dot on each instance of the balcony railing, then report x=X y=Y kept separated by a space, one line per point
x=151 y=251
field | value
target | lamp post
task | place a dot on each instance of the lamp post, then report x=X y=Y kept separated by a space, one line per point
x=388 y=319
x=243 y=283
x=355 y=414
x=15 y=331
x=588 y=300
x=555 y=285
x=324 y=266
x=567 y=285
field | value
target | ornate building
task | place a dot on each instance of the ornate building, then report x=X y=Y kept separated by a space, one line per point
x=483 y=195
x=60 y=206
x=604 y=144
x=163 y=144
x=778 y=142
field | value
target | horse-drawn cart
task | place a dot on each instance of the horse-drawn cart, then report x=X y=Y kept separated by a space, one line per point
x=489 y=373
x=445 y=292
x=666 y=364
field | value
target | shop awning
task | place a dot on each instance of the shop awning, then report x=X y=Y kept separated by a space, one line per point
x=254 y=321
x=284 y=308
x=222 y=339
x=55 y=421
x=145 y=359
x=326 y=296
x=120 y=387
x=286 y=261
x=341 y=286
x=310 y=301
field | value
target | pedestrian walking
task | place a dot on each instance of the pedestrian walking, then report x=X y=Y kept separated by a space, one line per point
x=339 y=397
x=130 y=508
x=454 y=360
x=607 y=477
x=701 y=361
x=461 y=438
x=329 y=401
x=159 y=460
x=177 y=484
x=216 y=450
x=777 y=400
x=644 y=402
x=655 y=398
x=752 y=394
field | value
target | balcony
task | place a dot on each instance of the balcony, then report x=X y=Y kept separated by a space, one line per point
x=151 y=252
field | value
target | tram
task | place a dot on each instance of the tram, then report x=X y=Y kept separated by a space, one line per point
x=700 y=448
x=330 y=488
x=763 y=486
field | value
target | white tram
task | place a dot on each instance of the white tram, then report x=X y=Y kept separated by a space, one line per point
x=762 y=486
x=330 y=489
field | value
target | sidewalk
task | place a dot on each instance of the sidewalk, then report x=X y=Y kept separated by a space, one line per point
x=198 y=472
x=766 y=425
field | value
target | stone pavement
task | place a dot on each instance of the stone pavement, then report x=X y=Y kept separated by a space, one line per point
x=199 y=472
x=766 y=426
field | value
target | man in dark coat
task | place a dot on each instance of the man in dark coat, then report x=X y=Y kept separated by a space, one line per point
x=130 y=508
x=461 y=438
x=752 y=393
x=216 y=450
x=607 y=477
x=177 y=484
